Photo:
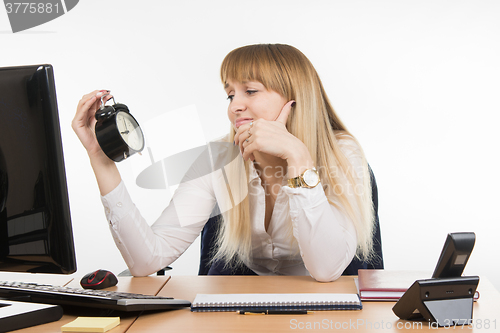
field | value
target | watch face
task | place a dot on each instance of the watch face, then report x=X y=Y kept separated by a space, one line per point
x=311 y=178
x=130 y=130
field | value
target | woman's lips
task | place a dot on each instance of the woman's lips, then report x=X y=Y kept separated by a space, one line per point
x=242 y=121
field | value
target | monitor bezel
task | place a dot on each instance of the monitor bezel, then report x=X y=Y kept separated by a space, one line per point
x=61 y=259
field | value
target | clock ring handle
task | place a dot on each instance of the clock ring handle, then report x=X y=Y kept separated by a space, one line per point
x=105 y=111
x=102 y=100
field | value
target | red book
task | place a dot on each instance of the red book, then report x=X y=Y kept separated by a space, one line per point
x=387 y=285
x=384 y=285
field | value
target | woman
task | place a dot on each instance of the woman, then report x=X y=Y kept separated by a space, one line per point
x=278 y=218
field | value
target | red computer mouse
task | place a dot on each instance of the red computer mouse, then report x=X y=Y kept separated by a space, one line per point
x=98 y=280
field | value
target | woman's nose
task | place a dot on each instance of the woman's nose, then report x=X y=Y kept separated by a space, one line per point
x=237 y=105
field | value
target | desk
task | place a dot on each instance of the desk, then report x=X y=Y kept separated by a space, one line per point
x=375 y=316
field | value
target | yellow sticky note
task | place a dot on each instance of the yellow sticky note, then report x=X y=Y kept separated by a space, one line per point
x=91 y=324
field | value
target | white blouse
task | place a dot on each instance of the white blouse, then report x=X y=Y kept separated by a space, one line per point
x=306 y=235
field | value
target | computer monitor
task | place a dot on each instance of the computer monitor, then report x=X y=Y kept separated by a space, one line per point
x=35 y=224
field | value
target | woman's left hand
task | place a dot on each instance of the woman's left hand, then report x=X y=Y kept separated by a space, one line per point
x=273 y=138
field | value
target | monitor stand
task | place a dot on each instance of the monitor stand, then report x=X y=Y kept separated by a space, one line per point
x=16 y=315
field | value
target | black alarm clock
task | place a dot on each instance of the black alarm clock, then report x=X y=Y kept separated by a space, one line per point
x=117 y=131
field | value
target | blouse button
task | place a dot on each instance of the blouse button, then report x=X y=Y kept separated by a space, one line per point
x=119 y=204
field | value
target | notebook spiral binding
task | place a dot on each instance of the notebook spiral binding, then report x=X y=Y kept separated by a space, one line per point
x=203 y=305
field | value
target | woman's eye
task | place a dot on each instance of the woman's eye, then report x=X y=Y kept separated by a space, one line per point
x=230 y=97
x=250 y=92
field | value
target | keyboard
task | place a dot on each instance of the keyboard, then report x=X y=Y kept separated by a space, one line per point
x=103 y=299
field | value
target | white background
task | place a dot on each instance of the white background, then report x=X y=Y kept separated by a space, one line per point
x=417 y=82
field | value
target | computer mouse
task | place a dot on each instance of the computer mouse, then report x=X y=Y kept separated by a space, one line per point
x=99 y=279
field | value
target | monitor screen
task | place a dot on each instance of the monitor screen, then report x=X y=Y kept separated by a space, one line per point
x=35 y=224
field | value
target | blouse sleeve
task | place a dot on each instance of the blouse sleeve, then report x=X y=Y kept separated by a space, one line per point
x=147 y=249
x=325 y=233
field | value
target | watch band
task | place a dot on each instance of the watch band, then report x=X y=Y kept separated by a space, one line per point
x=295 y=182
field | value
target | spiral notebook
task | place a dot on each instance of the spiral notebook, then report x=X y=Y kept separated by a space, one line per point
x=283 y=302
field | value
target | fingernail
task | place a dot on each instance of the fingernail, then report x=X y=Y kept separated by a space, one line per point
x=293 y=104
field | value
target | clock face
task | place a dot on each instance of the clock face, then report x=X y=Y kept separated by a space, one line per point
x=129 y=130
x=311 y=178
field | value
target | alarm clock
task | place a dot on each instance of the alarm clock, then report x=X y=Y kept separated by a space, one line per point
x=117 y=131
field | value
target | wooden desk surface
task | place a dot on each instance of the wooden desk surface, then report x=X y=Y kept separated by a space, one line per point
x=145 y=285
x=375 y=316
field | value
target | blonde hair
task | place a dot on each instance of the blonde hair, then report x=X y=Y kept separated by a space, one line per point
x=287 y=71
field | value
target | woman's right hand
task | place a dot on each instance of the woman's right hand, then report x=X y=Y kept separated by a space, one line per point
x=84 y=122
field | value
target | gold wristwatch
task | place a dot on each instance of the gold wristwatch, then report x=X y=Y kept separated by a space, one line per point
x=309 y=179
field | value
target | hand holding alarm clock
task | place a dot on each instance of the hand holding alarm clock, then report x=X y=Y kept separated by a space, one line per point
x=117 y=131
